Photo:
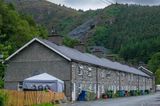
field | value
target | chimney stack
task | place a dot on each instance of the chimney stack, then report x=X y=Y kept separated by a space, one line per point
x=80 y=47
x=54 y=37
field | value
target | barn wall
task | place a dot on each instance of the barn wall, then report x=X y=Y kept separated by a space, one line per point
x=33 y=60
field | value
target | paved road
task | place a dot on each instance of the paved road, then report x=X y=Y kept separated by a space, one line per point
x=147 y=100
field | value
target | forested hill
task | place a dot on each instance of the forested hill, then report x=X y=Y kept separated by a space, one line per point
x=16 y=29
x=47 y=13
x=132 y=31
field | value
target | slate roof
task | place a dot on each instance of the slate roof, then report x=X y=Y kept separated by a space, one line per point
x=73 y=54
x=145 y=70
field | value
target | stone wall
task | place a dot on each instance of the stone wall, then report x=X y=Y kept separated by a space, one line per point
x=99 y=80
x=83 y=77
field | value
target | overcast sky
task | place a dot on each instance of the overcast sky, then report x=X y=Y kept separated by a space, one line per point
x=94 y=4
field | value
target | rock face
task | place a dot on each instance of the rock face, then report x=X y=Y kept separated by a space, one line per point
x=83 y=29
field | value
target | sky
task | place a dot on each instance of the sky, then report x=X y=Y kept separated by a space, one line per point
x=97 y=4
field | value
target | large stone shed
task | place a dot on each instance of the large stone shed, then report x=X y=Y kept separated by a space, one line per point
x=79 y=71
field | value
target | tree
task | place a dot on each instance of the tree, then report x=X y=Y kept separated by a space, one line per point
x=15 y=30
x=154 y=62
x=157 y=74
x=70 y=42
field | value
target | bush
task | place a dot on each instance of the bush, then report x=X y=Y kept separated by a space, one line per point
x=70 y=42
x=116 y=94
x=3 y=98
x=109 y=94
x=90 y=96
x=1 y=84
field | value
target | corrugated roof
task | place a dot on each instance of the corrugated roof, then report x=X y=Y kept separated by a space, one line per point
x=89 y=58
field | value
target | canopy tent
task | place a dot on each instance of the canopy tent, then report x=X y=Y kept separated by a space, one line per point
x=43 y=81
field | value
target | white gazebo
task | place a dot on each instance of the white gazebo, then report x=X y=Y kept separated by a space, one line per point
x=43 y=81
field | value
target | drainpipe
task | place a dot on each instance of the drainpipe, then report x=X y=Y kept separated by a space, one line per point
x=119 y=81
x=145 y=83
x=71 y=80
x=138 y=82
x=153 y=84
x=97 y=82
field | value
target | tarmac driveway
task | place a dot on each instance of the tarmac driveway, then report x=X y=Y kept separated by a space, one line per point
x=147 y=100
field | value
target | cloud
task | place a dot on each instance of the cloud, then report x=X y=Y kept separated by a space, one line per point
x=142 y=2
x=57 y=1
x=81 y=4
x=94 y=4
x=85 y=4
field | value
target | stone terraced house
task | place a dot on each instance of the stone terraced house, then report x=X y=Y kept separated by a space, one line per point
x=79 y=71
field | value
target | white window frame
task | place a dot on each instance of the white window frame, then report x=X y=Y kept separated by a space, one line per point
x=89 y=73
x=80 y=87
x=89 y=68
x=20 y=86
x=80 y=71
x=103 y=74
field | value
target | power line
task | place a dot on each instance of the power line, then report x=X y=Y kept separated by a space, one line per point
x=107 y=1
x=110 y=1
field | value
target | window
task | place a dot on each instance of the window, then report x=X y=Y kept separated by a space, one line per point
x=89 y=68
x=132 y=77
x=89 y=73
x=80 y=72
x=102 y=89
x=90 y=87
x=20 y=86
x=81 y=67
x=73 y=66
x=123 y=74
x=108 y=75
x=102 y=74
x=80 y=87
x=128 y=78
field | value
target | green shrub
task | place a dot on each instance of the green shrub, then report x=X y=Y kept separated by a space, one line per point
x=109 y=93
x=90 y=96
x=70 y=42
x=3 y=98
x=1 y=84
x=116 y=94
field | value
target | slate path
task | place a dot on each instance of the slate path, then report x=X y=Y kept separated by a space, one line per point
x=147 y=100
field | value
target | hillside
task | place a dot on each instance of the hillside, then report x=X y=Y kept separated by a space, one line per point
x=131 y=31
x=47 y=13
